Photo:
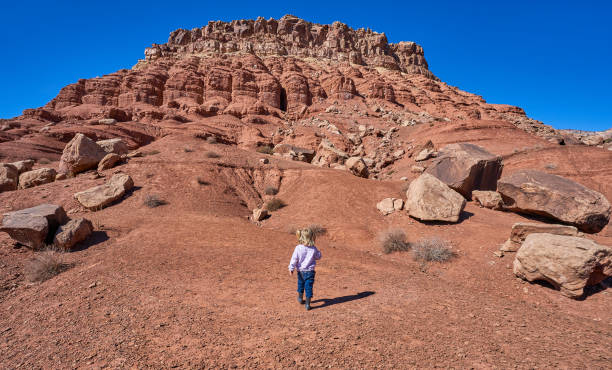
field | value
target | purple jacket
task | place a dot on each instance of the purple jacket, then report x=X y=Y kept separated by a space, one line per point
x=304 y=258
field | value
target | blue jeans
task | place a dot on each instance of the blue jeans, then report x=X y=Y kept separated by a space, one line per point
x=305 y=280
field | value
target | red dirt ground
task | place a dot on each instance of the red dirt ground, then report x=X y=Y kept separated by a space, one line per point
x=194 y=284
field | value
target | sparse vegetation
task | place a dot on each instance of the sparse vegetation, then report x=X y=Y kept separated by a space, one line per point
x=551 y=166
x=211 y=155
x=201 y=181
x=151 y=152
x=432 y=250
x=274 y=204
x=317 y=230
x=45 y=265
x=394 y=240
x=188 y=150
x=265 y=149
x=211 y=140
x=270 y=190
x=153 y=201
x=44 y=161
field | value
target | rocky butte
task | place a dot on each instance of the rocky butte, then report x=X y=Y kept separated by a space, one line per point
x=167 y=191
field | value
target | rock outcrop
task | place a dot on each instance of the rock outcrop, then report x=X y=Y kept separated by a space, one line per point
x=429 y=199
x=34 y=227
x=36 y=177
x=466 y=167
x=101 y=196
x=357 y=167
x=80 y=154
x=539 y=193
x=521 y=230
x=569 y=263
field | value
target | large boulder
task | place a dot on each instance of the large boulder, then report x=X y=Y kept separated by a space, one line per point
x=80 y=154
x=466 y=167
x=357 y=167
x=488 y=199
x=100 y=196
x=539 y=193
x=34 y=227
x=36 y=177
x=72 y=233
x=521 y=230
x=9 y=177
x=116 y=146
x=429 y=199
x=569 y=263
x=24 y=166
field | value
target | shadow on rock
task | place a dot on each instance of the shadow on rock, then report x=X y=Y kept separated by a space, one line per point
x=95 y=238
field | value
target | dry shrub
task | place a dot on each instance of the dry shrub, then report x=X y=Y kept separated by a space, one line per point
x=201 y=181
x=153 y=201
x=270 y=190
x=45 y=265
x=211 y=155
x=317 y=230
x=432 y=250
x=265 y=149
x=44 y=161
x=152 y=152
x=211 y=140
x=188 y=150
x=394 y=240
x=275 y=204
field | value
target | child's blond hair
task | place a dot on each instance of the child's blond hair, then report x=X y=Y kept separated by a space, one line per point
x=305 y=237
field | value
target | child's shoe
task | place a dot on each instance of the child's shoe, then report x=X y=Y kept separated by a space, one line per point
x=301 y=298
x=307 y=304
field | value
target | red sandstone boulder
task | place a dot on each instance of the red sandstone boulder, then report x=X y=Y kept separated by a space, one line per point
x=429 y=199
x=466 y=167
x=36 y=177
x=80 y=154
x=9 y=177
x=116 y=146
x=568 y=263
x=34 y=227
x=539 y=193
x=72 y=233
x=100 y=196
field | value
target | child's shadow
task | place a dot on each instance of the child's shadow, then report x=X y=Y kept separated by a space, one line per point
x=343 y=299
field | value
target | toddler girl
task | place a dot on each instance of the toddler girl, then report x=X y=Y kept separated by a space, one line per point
x=304 y=259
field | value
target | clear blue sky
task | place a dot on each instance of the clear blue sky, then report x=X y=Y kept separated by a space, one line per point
x=553 y=58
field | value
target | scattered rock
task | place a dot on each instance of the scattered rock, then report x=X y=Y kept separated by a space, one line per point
x=134 y=154
x=466 y=167
x=521 y=230
x=403 y=178
x=75 y=231
x=569 y=263
x=80 y=154
x=390 y=205
x=24 y=166
x=357 y=166
x=555 y=197
x=60 y=176
x=260 y=214
x=417 y=169
x=429 y=199
x=294 y=152
x=100 y=196
x=488 y=199
x=9 y=177
x=37 y=177
x=264 y=160
x=107 y=121
x=116 y=146
x=424 y=155
x=109 y=161
x=34 y=227
x=327 y=154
